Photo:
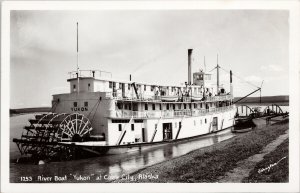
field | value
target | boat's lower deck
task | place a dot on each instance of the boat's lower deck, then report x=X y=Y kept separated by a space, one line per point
x=136 y=131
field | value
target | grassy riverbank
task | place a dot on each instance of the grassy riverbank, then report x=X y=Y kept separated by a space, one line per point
x=274 y=167
x=210 y=163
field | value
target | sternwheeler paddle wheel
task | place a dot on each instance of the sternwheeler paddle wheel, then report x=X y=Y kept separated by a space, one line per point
x=50 y=136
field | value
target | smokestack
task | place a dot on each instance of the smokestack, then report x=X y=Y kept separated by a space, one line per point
x=190 y=66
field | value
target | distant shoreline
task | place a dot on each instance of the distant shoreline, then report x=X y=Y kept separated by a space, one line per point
x=15 y=112
x=282 y=99
x=263 y=103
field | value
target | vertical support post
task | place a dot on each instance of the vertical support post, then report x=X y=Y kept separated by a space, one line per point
x=231 y=88
x=260 y=96
x=218 y=74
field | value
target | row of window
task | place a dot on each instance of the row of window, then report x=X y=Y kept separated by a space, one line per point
x=168 y=106
x=126 y=120
x=75 y=104
x=120 y=127
x=89 y=87
x=175 y=124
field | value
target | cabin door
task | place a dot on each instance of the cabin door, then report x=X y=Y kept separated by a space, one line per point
x=143 y=135
x=215 y=124
x=167 y=131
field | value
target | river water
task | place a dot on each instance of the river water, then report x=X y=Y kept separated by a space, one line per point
x=99 y=169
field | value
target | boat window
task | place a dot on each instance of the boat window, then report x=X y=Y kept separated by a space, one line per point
x=74 y=87
x=179 y=106
x=184 y=106
x=114 y=85
x=190 y=106
x=132 y=127
x=145 y=87
x=86 y=104
x=135 y=107
x=205 y=121
x=159 y=106
x=195 y=105
x=89 y=85
x=153 y=106
x=152 y=88
x=128 y=86
x=120 y=121
x=110 y=84
x=168 y=105
x=201 y=77
x=120 y=85
x=120 y=127
x=146 y=107
x=75 y=104
x=173 y=106
x=200 y=105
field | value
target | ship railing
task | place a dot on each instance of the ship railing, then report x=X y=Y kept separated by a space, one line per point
x=146 y=97
x=142 y=114
x=130 y=97
x=166 y=113
x=90 y=73
x=218 y=98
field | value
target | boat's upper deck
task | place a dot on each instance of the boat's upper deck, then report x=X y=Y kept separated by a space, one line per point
x=202 y=88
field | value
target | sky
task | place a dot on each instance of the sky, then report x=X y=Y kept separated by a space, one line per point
x=149 y=44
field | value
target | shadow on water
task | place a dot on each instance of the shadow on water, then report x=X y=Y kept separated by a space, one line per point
x=109 y=167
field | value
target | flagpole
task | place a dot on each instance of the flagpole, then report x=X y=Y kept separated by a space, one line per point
x=77 y=63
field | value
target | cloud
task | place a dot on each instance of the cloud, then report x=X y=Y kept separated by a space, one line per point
x=253 y=78
x=270 y=67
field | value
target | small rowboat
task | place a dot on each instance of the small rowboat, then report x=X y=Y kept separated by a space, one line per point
x=197 y=98
x=169 y=98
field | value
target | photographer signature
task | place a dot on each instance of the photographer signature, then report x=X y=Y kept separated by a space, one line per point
x=270 y=166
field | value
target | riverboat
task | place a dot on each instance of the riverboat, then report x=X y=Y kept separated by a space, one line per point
x=102 y=115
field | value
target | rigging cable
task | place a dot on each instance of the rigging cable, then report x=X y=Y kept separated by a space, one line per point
x=97 y=104
x=241 y=78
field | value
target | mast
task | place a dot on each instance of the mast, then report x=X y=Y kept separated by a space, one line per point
x=77 y=63
x=218 y=74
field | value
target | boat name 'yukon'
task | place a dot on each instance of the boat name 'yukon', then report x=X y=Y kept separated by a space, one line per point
x=79 y=109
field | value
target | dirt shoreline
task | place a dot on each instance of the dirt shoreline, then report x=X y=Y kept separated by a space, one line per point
x=209 y=164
